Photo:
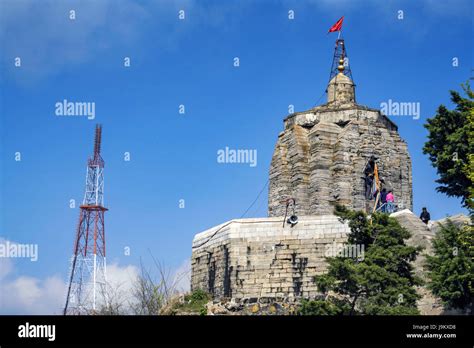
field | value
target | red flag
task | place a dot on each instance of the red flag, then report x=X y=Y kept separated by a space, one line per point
x=337 y=26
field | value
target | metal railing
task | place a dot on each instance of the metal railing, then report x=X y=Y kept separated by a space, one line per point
x=388 y=207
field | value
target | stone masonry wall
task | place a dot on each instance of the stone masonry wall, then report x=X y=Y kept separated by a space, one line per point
x=254 y=258
x=320 y=157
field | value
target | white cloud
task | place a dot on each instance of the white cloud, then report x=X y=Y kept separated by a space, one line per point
x=21 y=294
x=121 y=283
x=31 y=295
x=429 y=7
x=28 y=295
x=182 y=277
x=48 y=41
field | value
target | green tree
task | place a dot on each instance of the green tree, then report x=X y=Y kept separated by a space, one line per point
x=469 y=169
x=322 y=307
x=382 y=281
x=451 y=144
x=451 y=267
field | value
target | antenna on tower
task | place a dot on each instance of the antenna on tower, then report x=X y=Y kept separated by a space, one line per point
x=88 y=278
x=96 y=158
x=97 y=140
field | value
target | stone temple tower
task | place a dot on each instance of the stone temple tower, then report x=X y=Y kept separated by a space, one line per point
x=320 y=159
x=321 y=155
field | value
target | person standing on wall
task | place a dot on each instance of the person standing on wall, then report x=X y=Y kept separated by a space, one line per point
x=383 y=200
x=425 y=215
x=390 y=199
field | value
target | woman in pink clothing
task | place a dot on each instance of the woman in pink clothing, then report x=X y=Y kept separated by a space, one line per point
x=390 y=200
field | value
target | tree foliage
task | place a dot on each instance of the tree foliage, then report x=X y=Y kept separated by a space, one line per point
x=450 y=146
x=322 y=307
x=451 y=267
x=382 y=282
x=152 y=295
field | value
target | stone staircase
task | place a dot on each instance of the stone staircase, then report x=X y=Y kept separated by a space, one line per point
x=421 y=236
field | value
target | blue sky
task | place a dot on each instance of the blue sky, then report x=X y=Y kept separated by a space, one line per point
x=190 y=62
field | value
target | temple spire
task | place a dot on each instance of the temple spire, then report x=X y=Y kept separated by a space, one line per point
x=341 y=88
x=340 y=61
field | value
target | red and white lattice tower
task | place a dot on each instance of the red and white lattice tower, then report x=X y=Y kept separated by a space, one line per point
x=87 y=282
